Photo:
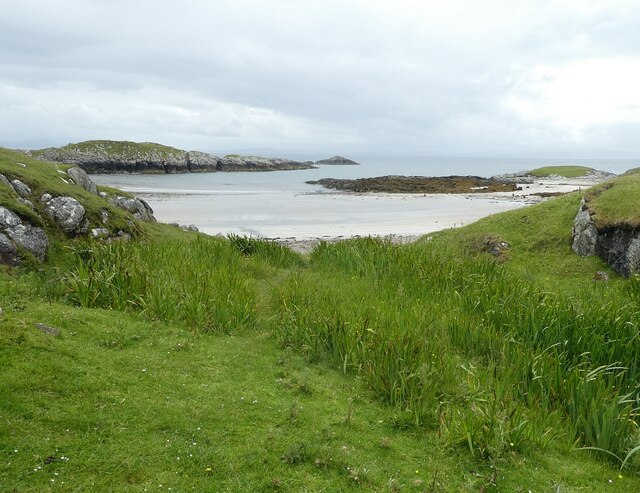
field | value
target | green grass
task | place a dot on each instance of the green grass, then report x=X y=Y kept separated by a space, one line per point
x=616 y=202
x=126 y=149
x=564 y=171
x=234 y=364
x=120 y=402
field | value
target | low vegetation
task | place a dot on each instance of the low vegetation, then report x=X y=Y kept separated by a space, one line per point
x=616 y=203
x=563 y=171
x=184 y=362
x=122 y=149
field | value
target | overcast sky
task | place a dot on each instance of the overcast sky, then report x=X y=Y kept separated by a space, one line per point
x=519 y=78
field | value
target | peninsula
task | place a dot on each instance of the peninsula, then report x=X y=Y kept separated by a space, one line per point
x=109 y=156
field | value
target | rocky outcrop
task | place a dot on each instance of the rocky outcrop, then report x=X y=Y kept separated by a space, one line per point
x=618 y=246
x=255 y=163
x=620 y=249
x=339 y=160
x=585 y=233
x=417 y=184
x=81 y=178
x=132 y=157
x=15 y=235
x=138 y=207
x=68 y=214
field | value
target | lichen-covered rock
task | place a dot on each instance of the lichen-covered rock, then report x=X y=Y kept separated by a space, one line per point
x=99 y=232
x=620 y=248
x=21 y=188
x=81 y=178
x=46 y=197
x=67 y=213
x=31 y=238
x=4 y=181
x=8 y=218
x=8 y=251
x=138 y=207
x=585 y=233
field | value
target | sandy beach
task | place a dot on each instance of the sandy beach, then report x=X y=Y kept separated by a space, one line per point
x=450 y=211
x=302 y=219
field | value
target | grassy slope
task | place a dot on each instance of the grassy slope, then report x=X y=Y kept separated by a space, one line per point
x=616 y=202
x=50 y=178
x=539 y=239
x=565 y=171
x=121 y=403
x=122 y=396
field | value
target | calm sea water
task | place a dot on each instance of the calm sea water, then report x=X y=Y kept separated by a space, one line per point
x=280 y=203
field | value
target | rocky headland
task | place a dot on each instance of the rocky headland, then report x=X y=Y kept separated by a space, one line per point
x=418 y=184
x=105 y=156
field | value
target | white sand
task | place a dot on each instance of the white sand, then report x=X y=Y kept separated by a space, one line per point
x=300 y=220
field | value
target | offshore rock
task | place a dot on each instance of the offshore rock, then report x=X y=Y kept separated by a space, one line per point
x=67 y=213
x=337 y=160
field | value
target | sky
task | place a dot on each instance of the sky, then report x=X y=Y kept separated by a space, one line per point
x=525 y=78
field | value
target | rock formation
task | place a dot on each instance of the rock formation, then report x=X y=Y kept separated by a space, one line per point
x=131 y=157
x=24 y=233
x=618 y=246
x=337 y=160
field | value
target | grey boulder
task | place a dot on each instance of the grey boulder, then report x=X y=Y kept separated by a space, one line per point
x=8 y=218
x=585 y=233
x=67 y=213
x=31 y=238
x=21 y=188
x=81 y=178
x=138 y=207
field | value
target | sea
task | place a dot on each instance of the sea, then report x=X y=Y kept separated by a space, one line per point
x=280 y=204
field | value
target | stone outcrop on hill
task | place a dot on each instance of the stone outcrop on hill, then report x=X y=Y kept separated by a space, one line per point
x=16 y=235
x=20 y=235
x=618 y=246
x=131 y=157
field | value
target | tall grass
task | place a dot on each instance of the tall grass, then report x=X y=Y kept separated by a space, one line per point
x=413 y=321
x=199 y=282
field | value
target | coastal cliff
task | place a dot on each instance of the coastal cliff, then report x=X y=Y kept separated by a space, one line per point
x=106 y=156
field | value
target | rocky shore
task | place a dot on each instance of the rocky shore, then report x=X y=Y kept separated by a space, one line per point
x=418 y=184
x=101 y=156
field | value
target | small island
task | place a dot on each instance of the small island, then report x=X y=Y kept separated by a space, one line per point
x=418 y=184
x=337 y=160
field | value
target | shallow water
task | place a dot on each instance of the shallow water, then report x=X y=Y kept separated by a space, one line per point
x=280 y=204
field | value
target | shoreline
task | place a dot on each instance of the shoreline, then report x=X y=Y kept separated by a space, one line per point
x=301 y=219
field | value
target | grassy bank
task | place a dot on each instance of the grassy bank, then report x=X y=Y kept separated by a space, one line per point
x=185 y=362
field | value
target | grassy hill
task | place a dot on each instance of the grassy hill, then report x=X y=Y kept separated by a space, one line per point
x=183 y=362
x=564 y=171
x=121 y=149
